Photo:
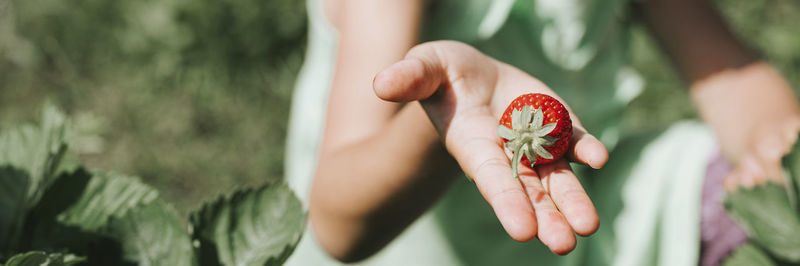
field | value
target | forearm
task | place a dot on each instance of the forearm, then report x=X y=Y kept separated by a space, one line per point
x=367 y=192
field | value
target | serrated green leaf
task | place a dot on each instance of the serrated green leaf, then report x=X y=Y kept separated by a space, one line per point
x=36 y=150
x=42 y=231
x=29 y=157
x=65 y=190
x=765 y=214
x=37 y=258
x=13 y=187
x=122 y=216
x=107 y=195
x=252 y=227
x=748 y=255
x=124 y=210
x=153 y=235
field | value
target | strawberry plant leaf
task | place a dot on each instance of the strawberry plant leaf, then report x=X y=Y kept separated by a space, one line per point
x=13 y=187
x=259 y=226
x=29 y=157
x=36 y=150
x=765 y=213
x=106 y=195
x=153 y=235
x=37 y=258
x=41 y=228
x=109 y=214
x=131 y=213
x=748 y=255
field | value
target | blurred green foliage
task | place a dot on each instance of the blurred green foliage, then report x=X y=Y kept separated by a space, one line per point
x=193 y=95
x=190 y=95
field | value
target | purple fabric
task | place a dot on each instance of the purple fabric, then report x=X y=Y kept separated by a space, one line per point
x=718 y=233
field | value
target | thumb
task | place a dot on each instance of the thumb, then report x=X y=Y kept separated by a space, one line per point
x=587 y=149
x=415 y=78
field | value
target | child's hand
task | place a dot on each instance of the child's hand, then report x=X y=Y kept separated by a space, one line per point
x=761 y=161
x=464 y=94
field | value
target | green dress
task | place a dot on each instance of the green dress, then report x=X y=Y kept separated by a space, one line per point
x=648 y=195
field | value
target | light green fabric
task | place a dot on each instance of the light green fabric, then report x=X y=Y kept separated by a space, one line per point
x=660 y=221
x=578 y=48
x=309 y=102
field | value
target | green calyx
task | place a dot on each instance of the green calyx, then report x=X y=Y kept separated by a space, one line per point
x=528 y=136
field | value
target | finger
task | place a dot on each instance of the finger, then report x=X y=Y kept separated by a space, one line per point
x=554 y=231
x=569 y=196
x=747 y=173
x=731 y=181
x=411 y=79
x=774 y=172
x=586 y=149
x=753 y=172
x=491 y=172
x=739 y=178
x=430 y=65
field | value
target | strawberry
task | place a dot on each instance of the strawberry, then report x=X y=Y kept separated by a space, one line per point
x=536 y=128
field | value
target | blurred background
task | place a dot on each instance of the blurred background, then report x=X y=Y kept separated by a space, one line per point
x=193 y=95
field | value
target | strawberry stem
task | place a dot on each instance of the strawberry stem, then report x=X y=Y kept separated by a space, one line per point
x=528 y=136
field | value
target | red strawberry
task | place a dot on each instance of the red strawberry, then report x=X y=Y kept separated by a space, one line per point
x=536 y=128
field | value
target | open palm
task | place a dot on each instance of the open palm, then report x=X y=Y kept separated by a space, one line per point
x=464 y=94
